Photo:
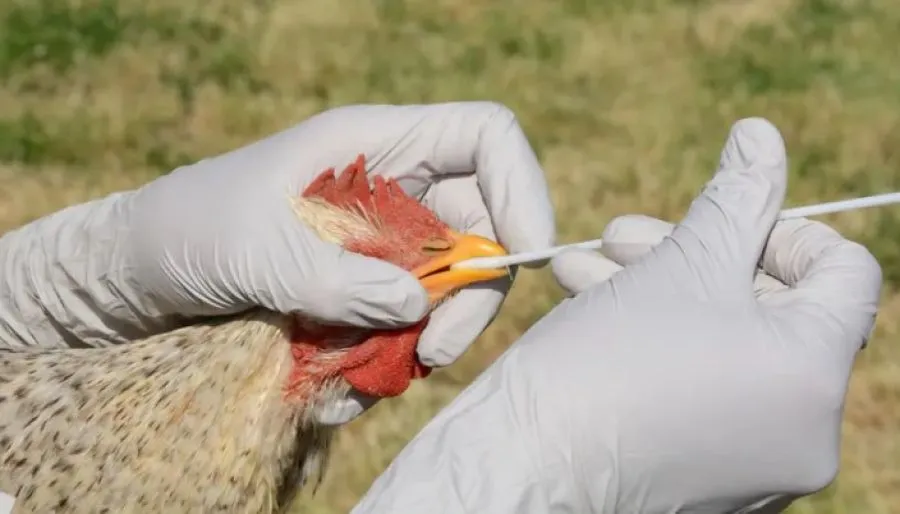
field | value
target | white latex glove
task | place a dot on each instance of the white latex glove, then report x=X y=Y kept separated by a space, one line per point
x=671 y=386
x=219 y=236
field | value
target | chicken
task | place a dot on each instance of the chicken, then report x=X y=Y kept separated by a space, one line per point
x=219 y=416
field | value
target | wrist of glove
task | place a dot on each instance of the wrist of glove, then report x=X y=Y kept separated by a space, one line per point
x=66 y=280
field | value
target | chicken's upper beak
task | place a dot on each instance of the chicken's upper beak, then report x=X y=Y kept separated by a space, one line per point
x=439 y=280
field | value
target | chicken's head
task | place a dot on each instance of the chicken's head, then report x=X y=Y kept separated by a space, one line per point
x=382 y=222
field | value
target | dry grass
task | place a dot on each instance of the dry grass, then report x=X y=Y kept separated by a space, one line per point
x=627 y=106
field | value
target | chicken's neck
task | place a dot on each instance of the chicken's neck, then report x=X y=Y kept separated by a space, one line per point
x=195 y=420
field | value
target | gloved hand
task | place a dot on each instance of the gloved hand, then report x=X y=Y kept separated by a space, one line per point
x=665 y=385
x=219 y=236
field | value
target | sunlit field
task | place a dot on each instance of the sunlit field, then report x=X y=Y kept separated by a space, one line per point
x=626 y=103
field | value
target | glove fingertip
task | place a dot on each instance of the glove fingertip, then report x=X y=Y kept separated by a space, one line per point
x=364 y=292
x=578 y=270
x=455 y=325
x=386 y=292
x=637 y=228
x=443 y=345
x=753 y=140
x=629 y=238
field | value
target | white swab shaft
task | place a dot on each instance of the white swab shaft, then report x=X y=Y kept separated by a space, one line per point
x=840 y=206
x=594 y=244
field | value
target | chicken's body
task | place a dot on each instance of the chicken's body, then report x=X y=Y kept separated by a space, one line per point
x=160 y=425
x=220 y=416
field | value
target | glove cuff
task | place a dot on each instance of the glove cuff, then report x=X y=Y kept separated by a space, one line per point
x=61 y=278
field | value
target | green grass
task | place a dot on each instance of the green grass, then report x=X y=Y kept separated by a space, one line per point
x=626 y=103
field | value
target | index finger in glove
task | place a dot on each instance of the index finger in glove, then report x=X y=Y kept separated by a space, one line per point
x=834 y=284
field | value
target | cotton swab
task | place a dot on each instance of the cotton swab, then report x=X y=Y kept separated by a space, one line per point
x=594 y=244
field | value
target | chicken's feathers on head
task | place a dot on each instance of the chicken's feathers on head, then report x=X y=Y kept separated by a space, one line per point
x=379 y=221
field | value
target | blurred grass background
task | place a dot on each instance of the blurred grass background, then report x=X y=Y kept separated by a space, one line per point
x=626 y=103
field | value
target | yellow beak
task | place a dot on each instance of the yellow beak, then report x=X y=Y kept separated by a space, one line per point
x=436 y=277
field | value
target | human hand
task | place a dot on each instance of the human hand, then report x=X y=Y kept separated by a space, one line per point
x=676 y=379
x=199 y=251
x=219 y=237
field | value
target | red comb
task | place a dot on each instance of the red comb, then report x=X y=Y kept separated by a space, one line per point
x=386 y=362
x=351 y=190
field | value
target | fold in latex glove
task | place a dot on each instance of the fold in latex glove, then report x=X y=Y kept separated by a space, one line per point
x=219 y=237
x=668 y=384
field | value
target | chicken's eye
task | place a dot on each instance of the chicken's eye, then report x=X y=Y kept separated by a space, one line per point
x=436 y=245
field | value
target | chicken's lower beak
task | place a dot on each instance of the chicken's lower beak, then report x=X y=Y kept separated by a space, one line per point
x=436 y=277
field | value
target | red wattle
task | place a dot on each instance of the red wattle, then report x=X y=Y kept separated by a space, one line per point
x=385 y=364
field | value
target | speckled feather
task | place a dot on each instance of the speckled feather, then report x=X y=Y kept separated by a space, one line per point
x=194 y=420
x=214 y=417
